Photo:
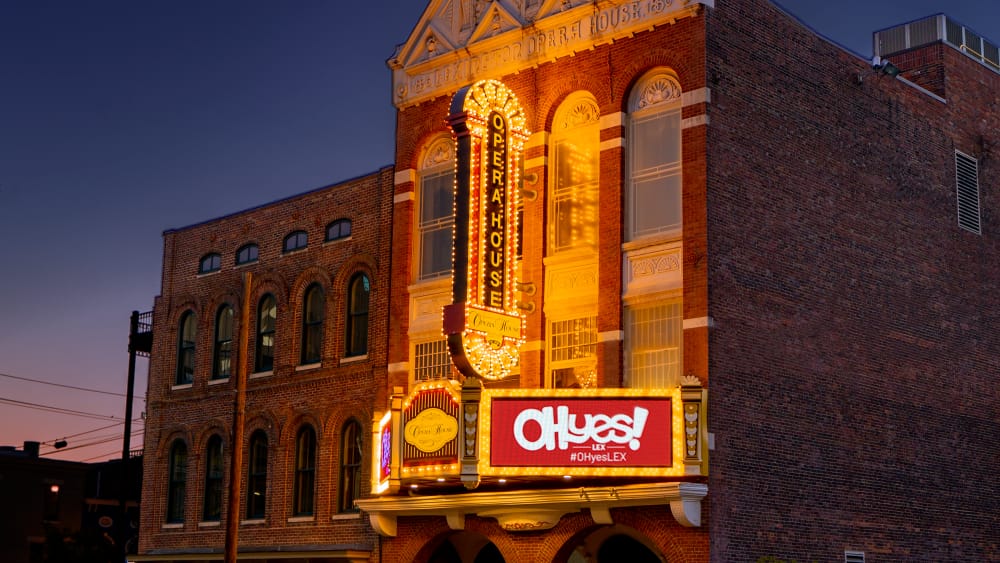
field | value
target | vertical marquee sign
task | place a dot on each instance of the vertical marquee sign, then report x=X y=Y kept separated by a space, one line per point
x=484 y=327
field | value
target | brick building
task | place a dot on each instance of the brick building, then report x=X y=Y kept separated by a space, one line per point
x=315 y=349
x=782 y=254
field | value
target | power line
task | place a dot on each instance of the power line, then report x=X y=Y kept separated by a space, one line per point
x=67 y=386
x=90 y=444
x=57 y=410
x=46 y=442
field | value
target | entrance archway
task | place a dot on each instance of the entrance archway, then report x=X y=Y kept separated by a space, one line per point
x=612 y=544
x=464 y=547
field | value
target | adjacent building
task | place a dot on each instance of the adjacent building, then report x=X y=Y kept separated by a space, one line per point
x=650 y=280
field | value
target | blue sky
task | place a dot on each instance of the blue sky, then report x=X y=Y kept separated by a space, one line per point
x=122 y=118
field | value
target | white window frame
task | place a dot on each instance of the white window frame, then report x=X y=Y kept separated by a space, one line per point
x=657 y=95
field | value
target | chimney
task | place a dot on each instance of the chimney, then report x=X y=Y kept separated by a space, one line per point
x=31 y=449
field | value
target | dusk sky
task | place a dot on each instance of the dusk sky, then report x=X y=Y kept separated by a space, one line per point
x=122 y=118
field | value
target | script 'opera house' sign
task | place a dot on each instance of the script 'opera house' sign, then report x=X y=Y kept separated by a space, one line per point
x=485 y=328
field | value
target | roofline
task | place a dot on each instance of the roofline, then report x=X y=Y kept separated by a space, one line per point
x=279 y=200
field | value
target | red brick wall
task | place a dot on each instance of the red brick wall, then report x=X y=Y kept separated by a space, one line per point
x=854 y=359
x=325 y=397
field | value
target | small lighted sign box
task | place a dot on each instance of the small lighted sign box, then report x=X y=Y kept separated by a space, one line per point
x=484 y=327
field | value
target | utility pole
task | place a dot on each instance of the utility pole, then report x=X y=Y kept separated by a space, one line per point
x=138 y=343
x=239 y=421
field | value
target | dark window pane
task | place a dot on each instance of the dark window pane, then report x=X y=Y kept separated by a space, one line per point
x=212 y=510
x=357 y=315
x=176 y=487
x=257 y=476
x=267 y=314
x=305 y=472
x=312 y=325
x=350 y=466
x=247 y=254
x=186 y=334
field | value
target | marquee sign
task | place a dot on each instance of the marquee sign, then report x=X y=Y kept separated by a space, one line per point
x=445 y=433
x=581 y=432
x=584 y=432
x=484 y=326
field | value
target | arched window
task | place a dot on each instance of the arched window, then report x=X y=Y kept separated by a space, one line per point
x=436 y=215
x=357 y=315
x=222 y=354
x=212 y=509
x=267 y=313
x=295 y=241
x=209 y=263
x=305 y=472
x=312 y=324
x=176 y=482
x=573 y=188
x=654 y=157
x=247 y=253
x=257 y=476
x=187 y=332
x=341 y=228
x=351 y=448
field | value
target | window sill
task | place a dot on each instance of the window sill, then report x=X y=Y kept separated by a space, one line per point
x=651 y=240
x=300 y=519
x=218 y=381
x=253 y=522
x=353 y=359
x=181 y=386
x=336 y=240
x=293 y=251
x=260 y=374
x=210 y=524
x=245 y=264
x=173 y=526
x=200 y=275
x=307 y=367
x=346 y=516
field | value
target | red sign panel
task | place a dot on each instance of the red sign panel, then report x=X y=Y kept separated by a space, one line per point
x=584 y=432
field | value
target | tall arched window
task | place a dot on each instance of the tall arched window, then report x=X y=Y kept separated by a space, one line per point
x=357 y=315
x=267 y=313
x=222 y=366
x=305 y=472
x=176 y=482
x=187 y=332
x=257 y=476
x=654 y=156
x=312 y=324
x=212 y=508
x=351 y=448
x=575 y=155
x=436 y=215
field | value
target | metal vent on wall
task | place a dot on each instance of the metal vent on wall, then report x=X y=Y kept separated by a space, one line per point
x=854 y=557
x=937 y=28
x=967 y=190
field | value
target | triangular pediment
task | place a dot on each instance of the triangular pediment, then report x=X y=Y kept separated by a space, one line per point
x=496 y=20
x=455 y=24
x=430 y=42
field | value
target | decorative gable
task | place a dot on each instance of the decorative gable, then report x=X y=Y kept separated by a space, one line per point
x=457 y=42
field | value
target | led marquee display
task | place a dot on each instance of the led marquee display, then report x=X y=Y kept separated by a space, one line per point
x=484 y=327
x=581 y=432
